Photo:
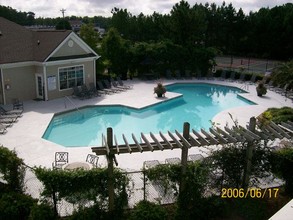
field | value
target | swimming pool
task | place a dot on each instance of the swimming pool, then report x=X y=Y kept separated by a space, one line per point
x=198 y=104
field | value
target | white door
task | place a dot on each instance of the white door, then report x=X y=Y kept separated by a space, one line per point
x=39 y=86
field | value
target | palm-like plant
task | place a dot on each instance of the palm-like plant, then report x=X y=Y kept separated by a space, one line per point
x=283 y=74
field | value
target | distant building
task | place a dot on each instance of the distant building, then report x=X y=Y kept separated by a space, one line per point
x=75 y=25
x=42 y=64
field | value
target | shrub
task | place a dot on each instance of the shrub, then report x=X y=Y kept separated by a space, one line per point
x=12 y=170
x=145 y=210
x=282 y=163
x=15 y=206
x=87 y=213
x=279 y=115
x=42 y=211
x=230 y=161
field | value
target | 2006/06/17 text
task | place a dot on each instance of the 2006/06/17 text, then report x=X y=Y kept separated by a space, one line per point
x=258 y=193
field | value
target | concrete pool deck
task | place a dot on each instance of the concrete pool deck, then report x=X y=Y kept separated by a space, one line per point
x=25 y=136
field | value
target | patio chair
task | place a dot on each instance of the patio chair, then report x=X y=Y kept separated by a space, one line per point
x=195 y=157
x=13 y=117
x=61 y=158
x=282 y=90
x=241 y=78
x=252 y=79
x=103 y=89
x=92 y=159
x=178 y=74
x=150 y=163
x=87 y=93
x=11 y=112
x=17 y=104
x=120 y=82
x=123 y=88
x=232 y=77
x=188 y=74
x=210 y=76
x=77 y=93
x=3 y=129
x=94 y=91
x=174 y=160
x=7 y=120
x=199 y=75
x=223 y=75
x=109 y=86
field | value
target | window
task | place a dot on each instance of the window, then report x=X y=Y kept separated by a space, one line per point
x=70 y=77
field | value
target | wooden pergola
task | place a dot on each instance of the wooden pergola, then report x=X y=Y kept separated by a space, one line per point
x=188 y=139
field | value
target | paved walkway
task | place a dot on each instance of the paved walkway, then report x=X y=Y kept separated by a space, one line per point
x=25 y=136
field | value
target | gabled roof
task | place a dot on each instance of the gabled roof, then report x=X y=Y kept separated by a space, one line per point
x=19 y=44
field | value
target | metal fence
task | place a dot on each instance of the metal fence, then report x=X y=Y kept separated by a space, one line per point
x=246 y=64
x=139 y=188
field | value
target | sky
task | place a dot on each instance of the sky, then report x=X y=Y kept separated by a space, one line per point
x=51 y=8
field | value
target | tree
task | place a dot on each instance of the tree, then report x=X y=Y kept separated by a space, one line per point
x=121 y=21
x=63 y=25
x=89 y=35
x=116 y=50
x=283 y=74
x=187 y=24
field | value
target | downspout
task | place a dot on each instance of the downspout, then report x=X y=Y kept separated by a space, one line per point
x=95 y=72
x=45 y=82
x=2 y=87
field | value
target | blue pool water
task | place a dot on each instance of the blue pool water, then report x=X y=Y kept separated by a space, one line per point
x=198 y=105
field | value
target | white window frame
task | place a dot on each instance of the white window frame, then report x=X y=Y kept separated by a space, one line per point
x=66 y=68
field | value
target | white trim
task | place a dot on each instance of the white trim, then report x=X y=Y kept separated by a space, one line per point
x=71 y=61
x=37 y=85
x=95 y=77
x=45 y=83
x=77 y=40
x=63 y=67
x=51 y=63
x=20 y=64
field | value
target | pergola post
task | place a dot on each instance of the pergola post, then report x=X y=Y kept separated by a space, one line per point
x=184 y=155
x=249 y=154
x=110 y=157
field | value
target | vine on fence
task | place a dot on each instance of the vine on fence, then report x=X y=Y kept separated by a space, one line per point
x=82 y=186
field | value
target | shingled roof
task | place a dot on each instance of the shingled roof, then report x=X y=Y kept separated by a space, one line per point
x=19 y=44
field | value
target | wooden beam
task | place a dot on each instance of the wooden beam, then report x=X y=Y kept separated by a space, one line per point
x=274 y=132
x=287 y=129
x=250 y=133
x=287 y=125
x=126 y=143
x=194 y=141
x=185 y=142
x=227 y=135
x=137 y=143
x=166 y=141
x=106 y=144
x=210 y=137
x=147 y=142
x=116 y=144
x=278 y=129
x=175 y=139
x=201 y=139
x=156 y=141
x=234 y=134
x=217 y=135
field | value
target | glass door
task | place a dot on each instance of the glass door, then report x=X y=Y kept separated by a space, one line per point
x=39 y=86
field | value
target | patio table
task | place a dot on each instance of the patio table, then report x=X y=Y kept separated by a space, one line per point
x=77 y=165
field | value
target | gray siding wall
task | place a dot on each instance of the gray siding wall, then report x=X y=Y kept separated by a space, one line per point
x=22 y=83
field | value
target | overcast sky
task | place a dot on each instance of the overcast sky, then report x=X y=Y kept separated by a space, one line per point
x=51 y=8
